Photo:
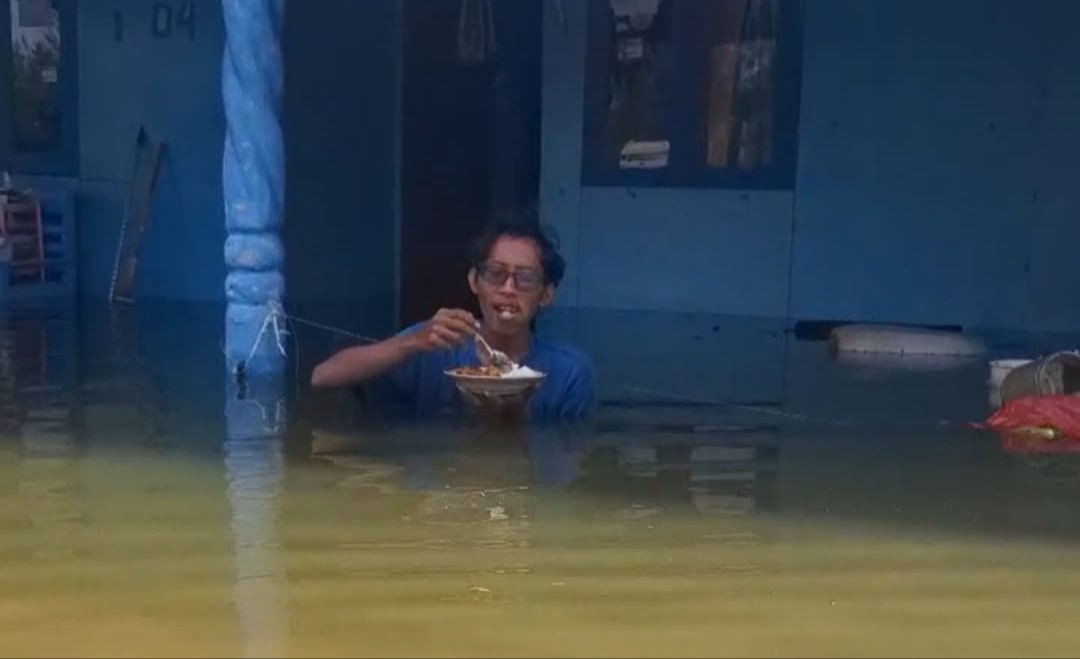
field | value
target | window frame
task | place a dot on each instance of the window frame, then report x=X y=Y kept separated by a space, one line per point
x=62 y=161
x=688 y=110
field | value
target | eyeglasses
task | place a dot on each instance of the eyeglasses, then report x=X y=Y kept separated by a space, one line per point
x=524 y=280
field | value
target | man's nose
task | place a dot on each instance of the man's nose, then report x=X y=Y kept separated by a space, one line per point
x=508 y=286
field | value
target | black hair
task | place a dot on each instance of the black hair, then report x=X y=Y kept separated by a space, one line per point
x=523 y=223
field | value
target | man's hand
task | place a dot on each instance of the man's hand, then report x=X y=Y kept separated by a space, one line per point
x=446 y=329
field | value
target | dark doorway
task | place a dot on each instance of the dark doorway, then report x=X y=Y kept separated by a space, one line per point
x=470 y=140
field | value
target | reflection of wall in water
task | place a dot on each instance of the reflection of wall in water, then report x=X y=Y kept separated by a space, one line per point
x=1040 y=495
x=10 y=412
x=697 y=458
x=151 y=375
x=929 y=479
x=122 y=392
x=42 y=410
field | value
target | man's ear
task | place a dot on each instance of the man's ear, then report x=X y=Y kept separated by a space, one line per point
x=472 y=281
x=548 y=296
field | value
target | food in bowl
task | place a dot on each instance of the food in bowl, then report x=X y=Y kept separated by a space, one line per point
x=489 y=382
x=522 y=371
x=492 y=371
x=484 y=371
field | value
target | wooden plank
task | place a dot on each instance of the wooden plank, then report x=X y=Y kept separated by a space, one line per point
x=148 y=155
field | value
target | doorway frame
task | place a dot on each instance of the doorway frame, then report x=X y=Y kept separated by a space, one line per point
x=398 y=152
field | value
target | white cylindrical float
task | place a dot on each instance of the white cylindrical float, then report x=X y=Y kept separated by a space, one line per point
x=889 y=346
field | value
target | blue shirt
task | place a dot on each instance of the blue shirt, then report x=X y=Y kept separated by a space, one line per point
x=565 y=395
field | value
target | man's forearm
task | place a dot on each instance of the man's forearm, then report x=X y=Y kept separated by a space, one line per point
x=356 y=365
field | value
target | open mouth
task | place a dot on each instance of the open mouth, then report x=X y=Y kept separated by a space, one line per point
x=507 y=311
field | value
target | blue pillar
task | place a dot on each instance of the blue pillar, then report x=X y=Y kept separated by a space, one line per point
x=253 y=175
x=253 y=172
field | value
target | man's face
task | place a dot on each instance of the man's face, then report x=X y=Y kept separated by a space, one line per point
x=510 y=285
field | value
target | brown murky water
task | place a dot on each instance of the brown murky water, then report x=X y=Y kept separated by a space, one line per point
x=695 y=534
x=154 y=555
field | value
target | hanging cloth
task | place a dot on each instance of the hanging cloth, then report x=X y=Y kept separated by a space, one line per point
x=476 y=32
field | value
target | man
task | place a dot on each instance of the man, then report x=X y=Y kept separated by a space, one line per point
x=514 y=271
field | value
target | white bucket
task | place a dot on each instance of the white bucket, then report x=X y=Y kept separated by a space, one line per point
x=1000 y=368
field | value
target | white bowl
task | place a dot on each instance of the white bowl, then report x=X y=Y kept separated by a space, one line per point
x=493 y=385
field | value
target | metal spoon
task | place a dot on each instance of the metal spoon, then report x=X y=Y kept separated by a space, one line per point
x=498 y=358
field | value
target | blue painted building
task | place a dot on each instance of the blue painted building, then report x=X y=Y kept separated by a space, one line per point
x=935 y=155
x=933 y=152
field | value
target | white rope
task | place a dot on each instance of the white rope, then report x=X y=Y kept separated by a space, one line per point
x=277 y=321
x=332 y=329
x=274 y=311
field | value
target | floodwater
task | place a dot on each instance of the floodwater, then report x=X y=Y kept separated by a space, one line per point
x=741 y=494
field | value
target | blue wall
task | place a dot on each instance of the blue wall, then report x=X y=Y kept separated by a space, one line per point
x=935 y=142
x=936 y=151
x=338 y=110
x=172 y=87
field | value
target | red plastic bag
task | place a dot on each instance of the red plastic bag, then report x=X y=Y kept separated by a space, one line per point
x=1039 y=424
